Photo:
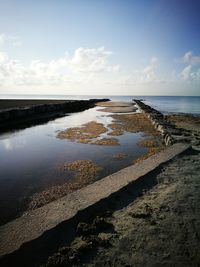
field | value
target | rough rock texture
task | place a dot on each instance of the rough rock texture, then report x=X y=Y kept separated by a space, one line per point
x=167 y=129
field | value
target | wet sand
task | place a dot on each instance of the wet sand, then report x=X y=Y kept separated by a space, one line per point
x=115 y=104
x=117 y=107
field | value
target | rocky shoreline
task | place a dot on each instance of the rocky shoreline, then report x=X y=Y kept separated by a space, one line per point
x=167 y=129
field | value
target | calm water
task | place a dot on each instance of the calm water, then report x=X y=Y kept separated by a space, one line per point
x=30 y=158
x=166 y=104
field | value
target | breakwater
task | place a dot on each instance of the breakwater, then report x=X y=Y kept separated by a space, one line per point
x=34 y=113
x=170 y=134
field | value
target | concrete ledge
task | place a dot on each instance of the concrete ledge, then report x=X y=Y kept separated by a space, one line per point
x=33 y=225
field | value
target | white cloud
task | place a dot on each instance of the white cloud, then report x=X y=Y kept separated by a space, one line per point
x=86 y=70
x=186 y=73
x=145 y=75
x=3 y=58
x=148 y=73
x=91 y=60
x=189 y=74
x=188 y=58
x=84 y=66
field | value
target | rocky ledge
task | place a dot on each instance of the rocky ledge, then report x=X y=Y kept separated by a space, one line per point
x=170 y=134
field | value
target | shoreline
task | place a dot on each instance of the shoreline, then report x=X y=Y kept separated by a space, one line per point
x=83 y=215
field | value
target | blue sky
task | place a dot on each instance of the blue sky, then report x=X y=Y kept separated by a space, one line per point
x=100 y=47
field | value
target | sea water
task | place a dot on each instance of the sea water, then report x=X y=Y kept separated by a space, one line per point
x=165 y=104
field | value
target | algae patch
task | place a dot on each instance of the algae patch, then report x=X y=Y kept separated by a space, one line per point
x=148 y=143
x=132 y=123
x=83 y=134
x=153 y=148
x=106 y=142
x=87 y=134
x=85 y=169
x=85 y=172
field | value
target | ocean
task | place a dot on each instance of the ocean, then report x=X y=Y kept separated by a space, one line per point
x=165 y=104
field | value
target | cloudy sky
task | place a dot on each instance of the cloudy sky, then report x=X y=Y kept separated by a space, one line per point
x=114 y=47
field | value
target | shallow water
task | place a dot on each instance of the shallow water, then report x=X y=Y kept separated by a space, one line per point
x=30 y=158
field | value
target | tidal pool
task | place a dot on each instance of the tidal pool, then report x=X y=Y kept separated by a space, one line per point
x=31 y=159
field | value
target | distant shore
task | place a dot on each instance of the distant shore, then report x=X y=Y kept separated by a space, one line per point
x=19 y=111
x=22 y=103
x=19 y=103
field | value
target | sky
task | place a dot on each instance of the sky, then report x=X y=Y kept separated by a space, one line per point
x=100 y=47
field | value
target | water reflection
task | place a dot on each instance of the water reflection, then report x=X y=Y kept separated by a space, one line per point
x=29 y=158
x=11 y=144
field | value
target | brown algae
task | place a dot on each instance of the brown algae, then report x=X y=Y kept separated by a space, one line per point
x=153 y=148
x=83 y=134
x=86 y=171
x=149 y=143
x=106 y=142
x=133 y=123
